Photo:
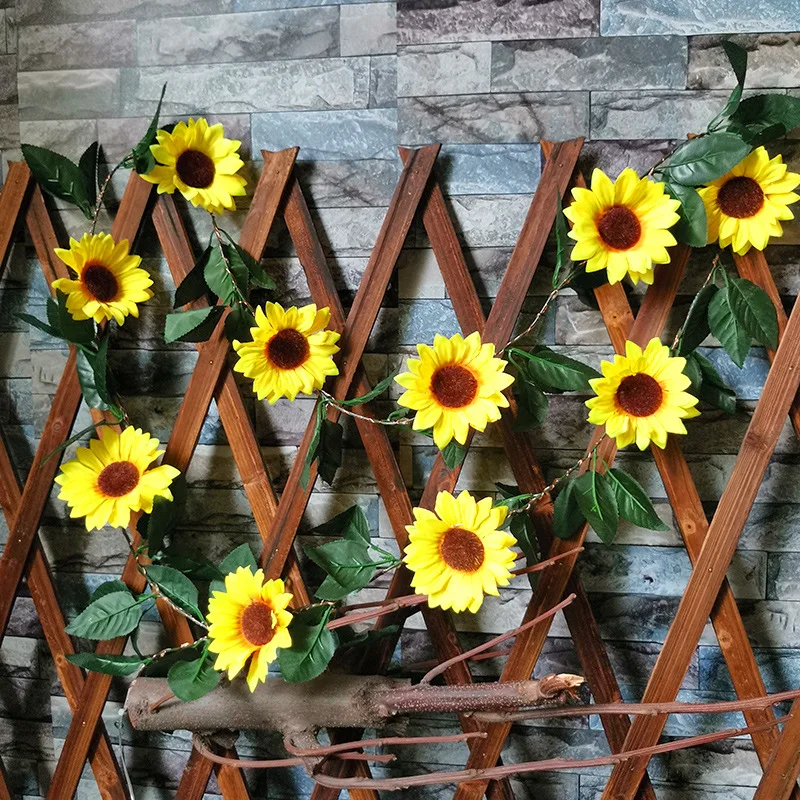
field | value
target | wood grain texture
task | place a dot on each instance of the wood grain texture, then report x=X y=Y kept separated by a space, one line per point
x=718 y=549
x=779 y=781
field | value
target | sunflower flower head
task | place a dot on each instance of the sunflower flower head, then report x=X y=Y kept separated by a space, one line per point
x=112 y=477
x=453 y=386
x=642 y=396
x=622 y=227
x=459 y=554
x=109 y=281
x=745 y=206
x=198 y=161
x=248 y=620
x=291 y=352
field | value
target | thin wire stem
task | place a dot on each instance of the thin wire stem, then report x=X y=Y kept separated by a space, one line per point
x=332 y=401
x=679 y=333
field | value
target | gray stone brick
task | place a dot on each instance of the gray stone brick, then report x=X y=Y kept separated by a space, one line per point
x=620 y=17
x=367 y=29
x=77 y=46
x=258 y=36
x=592 y=788
x=368 y=182
x=45 y=11
x=648 y=62
x=69 y=94
x=382 y=82
x=68 y=137
x=440 y=69
x=479 y=119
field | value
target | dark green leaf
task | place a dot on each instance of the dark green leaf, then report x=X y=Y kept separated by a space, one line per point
x=633 y=503
x=754 y=311
x=242 y=556
x=107 y=664
x=453 y=454
x=192 y=564
x=347 y=562
x=42 y=326
x=349 y=638
x=766 y=115
x=738 y=60
x=692 y=227
x=192 y=326
x=313 y=645
x=108 y=587
x=164 y=517
x=562 y=242
x=101 y=374
x=58 y=175
x=727 y=327
x=532 y=402
x=330 y=450
x=227 y=280
x=521 y=527
x=350 y=524
x=377 y=390
x=88 y=167
x=584 y=283
x=160 y=667
x=193 y=286
x=242 y=261
x=313 y=447
x=238 y=323
x=86 y=377
x=567 y=516
x=77 y=331
x=190 y=680
x=176 y=586
x=598 y=504
x=695 y=329
x=114 y=614
x=705 y=158
x=555 y=372
x=143 y=160
x=709 y=386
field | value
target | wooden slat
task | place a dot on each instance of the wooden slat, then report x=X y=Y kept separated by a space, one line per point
x=715 y=557
x=779 y=781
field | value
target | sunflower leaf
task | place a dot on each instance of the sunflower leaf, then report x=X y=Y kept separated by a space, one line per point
x=453 y=454
x=84 y=365
x=193 y=286
x=107 y=587
x=562 y=242
x=695 y=328
x=555 y=372
x=567 y=515
x=192 y=326
x=59 y=176
x=87 y=164
x=727 y=327
x=764 y=117
x=190 y=680
x=707 y=384
x=376 y=391
x=244 y=261
x=143 y=160
x=164 y=518
x=633 y=503
x=330 y=450
x=532 y=402
x=350 y=638
x=597 y=501
x=347 y=565
x=521 y=527
x=737 y=56
x=42 y=326
x=227 y=278
x=108 y=664
x=754 y=310
x=313 y=645
x=692 y=227
x=241 y=556
x=584 y=283
x=114 y=614
x=76 y=331
x=349 y=524
x=238 y=323
x=175 y=586
x=705 y=159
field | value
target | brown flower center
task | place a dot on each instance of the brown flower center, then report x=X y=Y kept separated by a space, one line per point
x=288 y=349
x=639 y=395
x=195 y=169
x=740 y=197
x=100 y=282
x=257 y=625
x=454 y=386
x=462 y=550
x=117 y=479
x=619 y=228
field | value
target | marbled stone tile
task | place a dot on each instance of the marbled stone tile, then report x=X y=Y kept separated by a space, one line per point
x=489 y=169
x=8 y=79
x=9 y=129
x=348 y=231
x=329 y=135
x=486 y=119
x=25 y=699
x=703 y=16
x=382 y=82
x=68 y=137
x=25 y=739
x=782 y=580
x=592 y=788
x=420 y=21
x=11 y=30
x=45 y=11
x=613 y=156
x=367 y=29
x=4 y=13
x=441 y=69
x=258 y=36
x=73 y=549
x=80 y=45
x=15 y=359
x=298 y=84
x=647 y=62
x=653 y=115
x=487 y=221
x=774 y=527
x=76 y=94
x=19 y=657
x=419 y=276
x=779 y=668
x=419 y=320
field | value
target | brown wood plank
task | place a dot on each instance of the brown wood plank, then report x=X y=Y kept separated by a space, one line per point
x=779 y=781
x=718 y=549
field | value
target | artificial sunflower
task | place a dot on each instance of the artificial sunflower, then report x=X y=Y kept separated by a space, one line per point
x=642 y=396
x=744 y=207
x=622 y=227
x=198 y=161
x=291 y=351
x=110 y=282
x=109 y=479
x=459 y=554
x=453 y=386
x=248 y=619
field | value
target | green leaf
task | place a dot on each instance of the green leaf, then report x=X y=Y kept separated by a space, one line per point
x=87 y=164
x=86 y=377
x=160 y=667
x=313 y=645
x=453 y=454
x=727 y=327
x=598 y=504
x=192 y=326
x=57 y=175
x=42 y=326
x=190 y=680
x=313 y=447
x=330 y=450
x=696 y=328
x=567 y=515
x=192 y=564
x=347 y=562
x=705 y=159
x=243 y=262
x=164 y=517
x=143 y=160
x=114 y=614
x=737 y=56
x=77 y=331
x=554 y=372
x=225 y=279
x=532 y=402
x=242 y=556
x=521 y=526
x=349 y=524
x=584 y=283
x=562 y=242
x=176 y=586
x=108 y=664
x=633 y=503
x=754 y=311
x=193 y=286
x=238 y=323
x=692 y=227
x=766 y=116
x=707 y=384
x=108 y=587
x=376 y=391
x=349 y=638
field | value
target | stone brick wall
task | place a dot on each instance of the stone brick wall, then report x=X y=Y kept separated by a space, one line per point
x=348 y=82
